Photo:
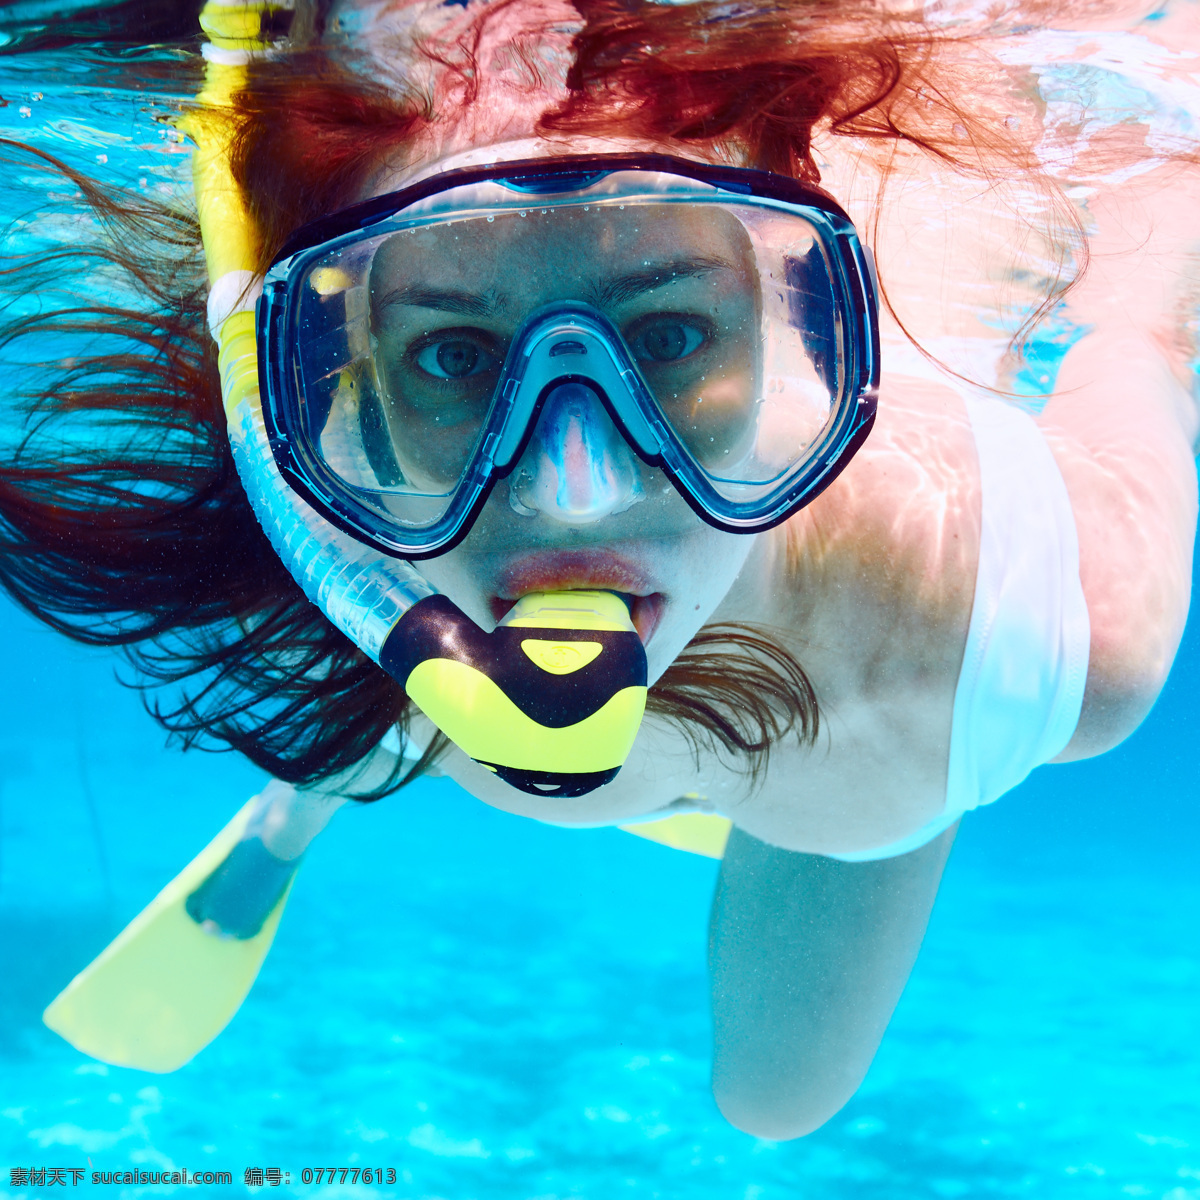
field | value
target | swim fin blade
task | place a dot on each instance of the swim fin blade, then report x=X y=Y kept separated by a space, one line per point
x=696 y=832
x=165 y=987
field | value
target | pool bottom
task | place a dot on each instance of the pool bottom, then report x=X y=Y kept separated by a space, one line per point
x=507 y=1011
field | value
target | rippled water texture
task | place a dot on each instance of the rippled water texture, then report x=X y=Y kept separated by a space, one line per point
x=508 y=1011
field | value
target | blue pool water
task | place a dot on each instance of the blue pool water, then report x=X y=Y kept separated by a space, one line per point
x=506 y=1011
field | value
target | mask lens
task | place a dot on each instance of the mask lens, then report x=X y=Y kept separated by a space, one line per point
x=395 y=390
x=727 y=315
x=752 y=411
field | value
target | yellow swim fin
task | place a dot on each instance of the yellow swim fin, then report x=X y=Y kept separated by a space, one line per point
x=165 y=987
x=697 y=833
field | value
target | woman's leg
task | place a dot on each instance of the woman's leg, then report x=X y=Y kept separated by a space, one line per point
x=808 y=957
x=236 y=899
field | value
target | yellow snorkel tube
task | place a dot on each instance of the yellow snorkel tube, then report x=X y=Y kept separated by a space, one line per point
x=551 y=701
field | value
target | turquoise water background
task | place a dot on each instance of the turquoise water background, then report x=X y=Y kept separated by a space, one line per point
x=509 y=1011
x=506 y=1011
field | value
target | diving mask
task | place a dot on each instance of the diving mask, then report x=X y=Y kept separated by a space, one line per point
x=715 y=323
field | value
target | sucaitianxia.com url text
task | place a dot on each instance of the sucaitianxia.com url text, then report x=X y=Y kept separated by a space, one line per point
x=39 y=1177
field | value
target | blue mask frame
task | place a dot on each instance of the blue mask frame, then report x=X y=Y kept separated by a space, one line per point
x=536 y=364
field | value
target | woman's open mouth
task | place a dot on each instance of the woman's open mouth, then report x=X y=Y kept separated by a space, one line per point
x=569 y=571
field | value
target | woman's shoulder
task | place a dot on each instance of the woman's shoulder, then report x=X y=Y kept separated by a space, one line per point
x=900 y=525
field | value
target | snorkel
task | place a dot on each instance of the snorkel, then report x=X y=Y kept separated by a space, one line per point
x=550 y=701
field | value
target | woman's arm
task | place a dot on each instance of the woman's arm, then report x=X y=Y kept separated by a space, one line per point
x=1122 y=424
x=808 y=957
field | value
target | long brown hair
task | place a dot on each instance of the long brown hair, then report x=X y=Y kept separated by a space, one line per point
x=122 y=521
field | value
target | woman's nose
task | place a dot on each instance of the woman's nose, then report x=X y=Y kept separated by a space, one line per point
x=577 y=467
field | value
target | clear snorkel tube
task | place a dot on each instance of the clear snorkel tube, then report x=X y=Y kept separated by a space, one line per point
x=362 y=593
x=533 y=701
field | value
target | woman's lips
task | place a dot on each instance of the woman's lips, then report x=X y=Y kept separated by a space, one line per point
x=645 y=614
x=569 y=572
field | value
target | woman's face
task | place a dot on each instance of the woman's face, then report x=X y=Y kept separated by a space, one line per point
x=580 y=510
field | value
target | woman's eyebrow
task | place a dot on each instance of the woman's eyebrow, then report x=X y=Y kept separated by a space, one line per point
x=656 y=275
x=451 y=300
x=609 y=291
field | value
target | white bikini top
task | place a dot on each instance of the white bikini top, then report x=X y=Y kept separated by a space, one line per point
x=1020 y=689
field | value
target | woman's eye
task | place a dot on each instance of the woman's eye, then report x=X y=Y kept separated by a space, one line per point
x=667 y=339
x=454 y=358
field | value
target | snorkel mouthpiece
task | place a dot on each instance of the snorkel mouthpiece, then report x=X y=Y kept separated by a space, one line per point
x=550 y=700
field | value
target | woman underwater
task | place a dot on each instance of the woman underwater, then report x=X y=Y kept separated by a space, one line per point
x=862 y=615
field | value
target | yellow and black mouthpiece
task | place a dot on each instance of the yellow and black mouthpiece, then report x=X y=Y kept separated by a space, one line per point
x=550 y=700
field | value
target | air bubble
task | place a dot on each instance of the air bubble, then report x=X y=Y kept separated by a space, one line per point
x=490 y=220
